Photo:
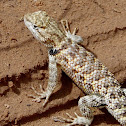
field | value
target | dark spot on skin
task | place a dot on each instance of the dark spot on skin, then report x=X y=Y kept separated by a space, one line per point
x=69 y=41
x=82 y=78
x=100 y=67
x=65 y=59
x=72 y=54
x=53 y=51
x=97 y=78
x=124 y=114
x=120 y=94
x=76 y=47
x=74 y=71
x=64 y=46
x=118 y=106
x=106 y=86
x=112 y=96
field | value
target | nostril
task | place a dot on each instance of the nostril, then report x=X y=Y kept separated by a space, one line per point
x=43 y=27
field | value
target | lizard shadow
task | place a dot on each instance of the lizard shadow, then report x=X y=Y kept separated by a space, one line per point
x=20 y=80
x=64 y=90
x=124 y=84
x=105 y=118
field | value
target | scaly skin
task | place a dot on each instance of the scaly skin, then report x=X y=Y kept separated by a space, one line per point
x=87 y=72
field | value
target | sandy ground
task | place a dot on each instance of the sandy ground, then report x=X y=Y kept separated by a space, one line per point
x=24 y=61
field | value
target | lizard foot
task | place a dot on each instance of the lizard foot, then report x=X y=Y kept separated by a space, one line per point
x=75 y=38
x=78 y=120
x=39 y=96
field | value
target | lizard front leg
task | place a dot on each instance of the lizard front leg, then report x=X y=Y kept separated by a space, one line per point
x=75 y=38
x=52 y=81
x=83 y=104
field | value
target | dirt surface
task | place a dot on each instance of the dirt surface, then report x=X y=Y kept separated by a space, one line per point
x=24 y=61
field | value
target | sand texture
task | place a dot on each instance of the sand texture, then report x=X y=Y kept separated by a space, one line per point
x=24 y=61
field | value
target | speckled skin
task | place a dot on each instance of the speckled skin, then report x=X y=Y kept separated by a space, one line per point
x=87 y=72
x=93 y=77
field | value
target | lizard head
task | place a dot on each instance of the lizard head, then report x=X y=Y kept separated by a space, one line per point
x=44 y=28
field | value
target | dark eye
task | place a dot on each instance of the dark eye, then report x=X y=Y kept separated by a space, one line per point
x=35 y=26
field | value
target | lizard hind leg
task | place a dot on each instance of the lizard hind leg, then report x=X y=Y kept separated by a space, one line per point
x=83 y=104
x=75 y=38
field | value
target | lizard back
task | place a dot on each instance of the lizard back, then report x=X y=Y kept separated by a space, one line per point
x=92 y=77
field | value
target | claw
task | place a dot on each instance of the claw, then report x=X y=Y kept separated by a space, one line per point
x=36 y=100
x=57 y=119
x=40 y=95
x=65 y=26
x=46 y=100
x=71 y=117
x=41 y=88
x=75 y=38
x=31 y=96
x=75 y=31
x=61 y=119
x=36 y=92
x=78 y=120
x=76 y=114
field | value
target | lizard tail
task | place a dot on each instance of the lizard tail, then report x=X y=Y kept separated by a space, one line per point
x=116 y=104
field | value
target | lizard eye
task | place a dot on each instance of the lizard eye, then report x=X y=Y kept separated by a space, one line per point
x=35 y=26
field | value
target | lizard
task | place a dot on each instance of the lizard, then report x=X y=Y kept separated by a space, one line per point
x=81 y=65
